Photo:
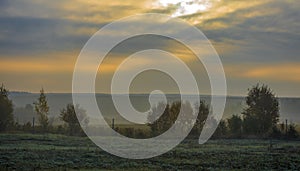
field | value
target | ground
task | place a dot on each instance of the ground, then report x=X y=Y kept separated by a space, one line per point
x=58 y=152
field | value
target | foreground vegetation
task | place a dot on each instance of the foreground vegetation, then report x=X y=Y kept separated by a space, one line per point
x=59 y=152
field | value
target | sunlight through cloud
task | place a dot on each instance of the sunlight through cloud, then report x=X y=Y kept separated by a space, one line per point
x=185 y=7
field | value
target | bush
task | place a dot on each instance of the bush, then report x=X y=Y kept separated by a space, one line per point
x=292 y=132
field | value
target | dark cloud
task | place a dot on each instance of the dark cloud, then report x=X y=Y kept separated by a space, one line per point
x=26 y=35
x=273 y=36
x=30 y=27
x=139 y=43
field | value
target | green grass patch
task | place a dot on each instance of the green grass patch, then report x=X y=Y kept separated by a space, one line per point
x=59 y=152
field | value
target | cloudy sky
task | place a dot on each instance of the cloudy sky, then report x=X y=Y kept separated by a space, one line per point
x=257 y=41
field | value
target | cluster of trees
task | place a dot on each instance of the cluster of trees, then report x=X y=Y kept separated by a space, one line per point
x=41 y=108
x=75 y=118
x=259 y=119
x=163 y=116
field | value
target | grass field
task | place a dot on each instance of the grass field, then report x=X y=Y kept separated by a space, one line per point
x=58 y=152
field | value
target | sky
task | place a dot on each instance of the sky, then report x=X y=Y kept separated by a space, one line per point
x=257 y=41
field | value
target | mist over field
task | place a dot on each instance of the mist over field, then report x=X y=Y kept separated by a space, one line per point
x=289 y=107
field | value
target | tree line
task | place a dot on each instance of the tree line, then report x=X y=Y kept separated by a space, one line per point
x=259 y=119
x=43 y=124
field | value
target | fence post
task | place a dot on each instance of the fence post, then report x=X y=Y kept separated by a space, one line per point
x=33 y=124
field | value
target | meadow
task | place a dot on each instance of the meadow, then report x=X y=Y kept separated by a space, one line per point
x=60 y=152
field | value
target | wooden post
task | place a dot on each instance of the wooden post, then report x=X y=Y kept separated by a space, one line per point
x=286 y=127
x=33 y=124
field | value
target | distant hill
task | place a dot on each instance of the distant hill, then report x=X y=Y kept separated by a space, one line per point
x=16 y=93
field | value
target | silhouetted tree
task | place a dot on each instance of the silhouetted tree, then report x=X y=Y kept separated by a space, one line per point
x=221 y=130
x=155 y=118
x=235 y=126
x=42 y=109
x=6 y=110
x=262 y=111
x=69 y=116
x=203 y=111
x=183 y=122
x=163 y=116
